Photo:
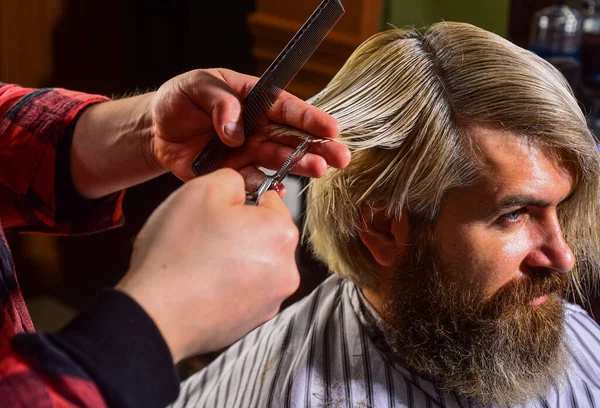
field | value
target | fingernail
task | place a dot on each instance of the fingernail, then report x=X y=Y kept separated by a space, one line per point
x=235 y=131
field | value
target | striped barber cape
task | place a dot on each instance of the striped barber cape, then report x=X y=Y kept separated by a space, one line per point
x=320 y=353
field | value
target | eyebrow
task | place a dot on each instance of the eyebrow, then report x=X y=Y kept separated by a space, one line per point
x=519 y=201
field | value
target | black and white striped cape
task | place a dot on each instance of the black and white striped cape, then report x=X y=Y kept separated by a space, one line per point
x=317 y=353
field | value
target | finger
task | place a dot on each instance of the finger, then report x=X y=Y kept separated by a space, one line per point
x=240 y=83
x=223 y=187
x=335 y=153
x=271 y=200
x=220 y=101
x=288 y=109
x=293 y=111
x=281 y=190
x=252 y=177
x=272 y=157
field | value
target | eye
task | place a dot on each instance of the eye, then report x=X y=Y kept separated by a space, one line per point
x=513 y=216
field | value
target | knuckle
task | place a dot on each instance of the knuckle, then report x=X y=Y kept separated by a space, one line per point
x=200 y=188
x=288 y=234
x=305 y=118
x=223 y=73
x=221 y=108
x=246 y=88
x=194 y=79
x=284 y=110
x=219 y=184
x=202 y=75
x=292 y=233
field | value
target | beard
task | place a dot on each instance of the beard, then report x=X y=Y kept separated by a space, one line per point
x=499 y=350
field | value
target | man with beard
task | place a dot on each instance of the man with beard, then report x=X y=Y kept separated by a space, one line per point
x=470 y=210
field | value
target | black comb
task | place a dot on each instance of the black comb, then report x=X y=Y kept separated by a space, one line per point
x=275 y=79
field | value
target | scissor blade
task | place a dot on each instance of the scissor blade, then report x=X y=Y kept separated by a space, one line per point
x=293 y=159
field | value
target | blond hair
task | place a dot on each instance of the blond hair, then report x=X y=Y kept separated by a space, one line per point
x=405 y=102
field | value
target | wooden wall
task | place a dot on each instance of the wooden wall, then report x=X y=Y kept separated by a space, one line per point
x=275 y=22
x=26 y=36
x=26 y=28
x=62 y=43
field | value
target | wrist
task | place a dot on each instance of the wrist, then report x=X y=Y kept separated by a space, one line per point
x=144 y=132
x=112 y=147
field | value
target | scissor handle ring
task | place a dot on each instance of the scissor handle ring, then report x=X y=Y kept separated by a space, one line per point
x=266 y=185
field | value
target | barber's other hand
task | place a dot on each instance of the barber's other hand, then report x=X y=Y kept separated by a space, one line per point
x=188 y=109
x=208 y=269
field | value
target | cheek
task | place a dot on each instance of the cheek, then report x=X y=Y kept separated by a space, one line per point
x=485 y=258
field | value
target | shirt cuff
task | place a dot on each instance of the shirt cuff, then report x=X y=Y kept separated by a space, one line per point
x=70 y=205
x=122 y=350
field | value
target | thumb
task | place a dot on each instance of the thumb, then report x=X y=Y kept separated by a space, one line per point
x=227 y=120
x=221 y=102
x=271 y=200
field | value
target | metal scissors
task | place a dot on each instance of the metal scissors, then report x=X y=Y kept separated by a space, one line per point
x=273 y=182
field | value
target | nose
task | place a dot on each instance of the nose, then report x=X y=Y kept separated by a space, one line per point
x=553 y=252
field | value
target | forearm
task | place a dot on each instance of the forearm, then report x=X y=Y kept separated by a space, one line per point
x=111 y=147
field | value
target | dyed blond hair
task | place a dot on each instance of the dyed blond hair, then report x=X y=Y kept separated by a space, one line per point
x=405 y=101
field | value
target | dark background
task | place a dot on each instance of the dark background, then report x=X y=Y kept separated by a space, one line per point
x=115 y=48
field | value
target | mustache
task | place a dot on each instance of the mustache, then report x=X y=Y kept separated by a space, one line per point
x=519 y=292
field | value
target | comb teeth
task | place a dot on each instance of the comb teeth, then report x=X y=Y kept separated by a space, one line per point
x=275 y=79
x=211 y=157
x=304 y=43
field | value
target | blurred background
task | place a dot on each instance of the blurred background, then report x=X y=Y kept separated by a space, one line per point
x=116 y=47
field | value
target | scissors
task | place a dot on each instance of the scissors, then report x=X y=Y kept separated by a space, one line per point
x=274 y=182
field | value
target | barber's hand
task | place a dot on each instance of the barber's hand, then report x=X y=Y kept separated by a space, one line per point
x=208 y=269
x=188 y=109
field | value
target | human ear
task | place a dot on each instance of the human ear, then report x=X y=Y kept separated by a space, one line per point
x=379 y=235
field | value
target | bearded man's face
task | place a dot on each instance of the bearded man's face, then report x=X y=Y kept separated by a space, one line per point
x=474 y=298
x=496 y=350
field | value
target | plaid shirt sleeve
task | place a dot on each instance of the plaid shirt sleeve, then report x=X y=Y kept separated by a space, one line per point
x=112 y=354
x=31 y=127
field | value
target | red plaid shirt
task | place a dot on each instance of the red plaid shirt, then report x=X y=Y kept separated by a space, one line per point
x=38 y=370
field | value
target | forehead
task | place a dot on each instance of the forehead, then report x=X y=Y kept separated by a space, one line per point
x=512 y=164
